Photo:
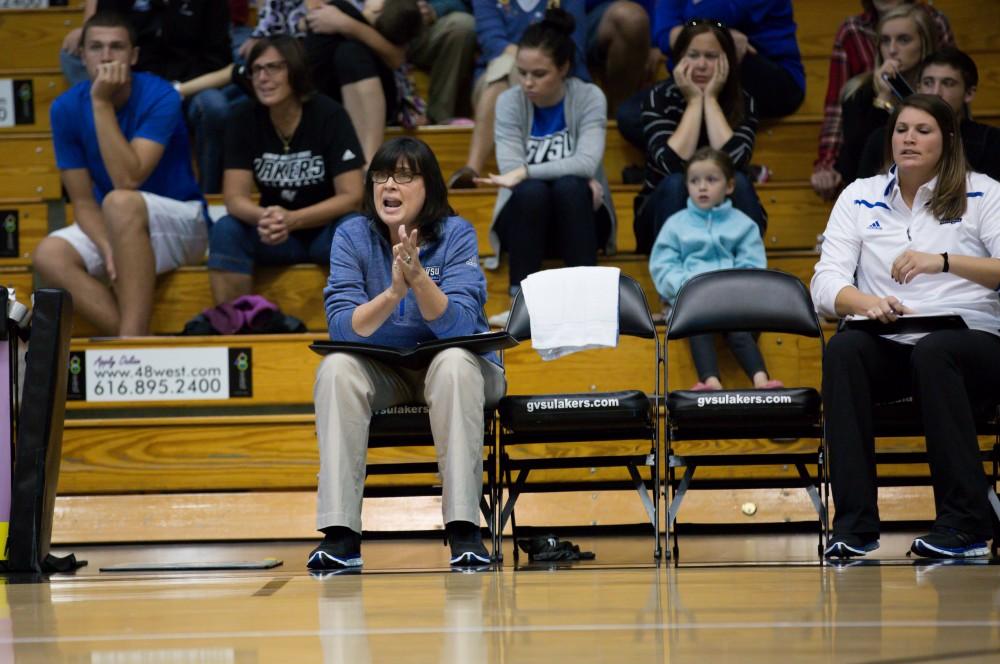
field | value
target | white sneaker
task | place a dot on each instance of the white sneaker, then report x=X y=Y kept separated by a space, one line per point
x=500 y=319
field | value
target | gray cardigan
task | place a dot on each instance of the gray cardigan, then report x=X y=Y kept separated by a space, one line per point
x=586 y=119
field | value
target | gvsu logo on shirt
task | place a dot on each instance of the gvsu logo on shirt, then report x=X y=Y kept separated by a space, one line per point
x=433 y=271
x=549 y=148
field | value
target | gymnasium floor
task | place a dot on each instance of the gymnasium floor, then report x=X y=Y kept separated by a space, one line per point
x=407 y=607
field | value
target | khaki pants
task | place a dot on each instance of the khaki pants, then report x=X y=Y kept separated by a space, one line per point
x=456 y=386
x=446 y=50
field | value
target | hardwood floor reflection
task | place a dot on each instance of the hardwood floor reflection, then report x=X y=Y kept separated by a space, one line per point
x=897 y=611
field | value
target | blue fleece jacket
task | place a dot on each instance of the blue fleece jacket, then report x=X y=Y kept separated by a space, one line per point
x=361 y=268
x=694 y=241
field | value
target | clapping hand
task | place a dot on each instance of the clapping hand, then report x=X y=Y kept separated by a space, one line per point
x=406 y=256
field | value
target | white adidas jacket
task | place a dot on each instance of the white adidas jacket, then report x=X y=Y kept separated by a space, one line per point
x=870 y=226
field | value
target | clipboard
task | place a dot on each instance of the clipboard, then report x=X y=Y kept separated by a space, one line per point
x=420 y=355
x=907 y=324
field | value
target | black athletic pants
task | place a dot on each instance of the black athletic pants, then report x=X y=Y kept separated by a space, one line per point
x=946 y=373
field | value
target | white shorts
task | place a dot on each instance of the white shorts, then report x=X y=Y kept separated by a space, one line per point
x=177 y=231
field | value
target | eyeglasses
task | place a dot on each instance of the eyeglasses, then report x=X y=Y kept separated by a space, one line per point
x=402 y=176
x=706 y=21
x=271 y=68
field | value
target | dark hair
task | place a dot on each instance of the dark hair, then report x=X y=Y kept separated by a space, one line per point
x=419 y=158
x=948 y=200
x=295 y=59
x=400 y=21
x=553 y=35
x=109 y=19
x=957 y=60
x=718 y=157
x=731 y=97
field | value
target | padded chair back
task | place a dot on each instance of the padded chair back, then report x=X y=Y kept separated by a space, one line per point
x=634 y=319
x=743 y=299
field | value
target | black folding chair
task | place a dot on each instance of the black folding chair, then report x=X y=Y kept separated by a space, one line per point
x=409 y=425
x=585 y=417
x=749 y=300
x=901 y=419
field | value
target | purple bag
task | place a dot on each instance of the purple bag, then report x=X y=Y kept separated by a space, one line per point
x=244 y=314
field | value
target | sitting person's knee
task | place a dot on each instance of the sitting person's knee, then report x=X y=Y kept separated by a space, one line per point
x=50 y=258
x=570 y=185
x=124 y=209
x=227 y=231
x=456 y=365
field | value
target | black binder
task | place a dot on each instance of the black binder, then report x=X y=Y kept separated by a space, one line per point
x=907 y=324
x=420 y=355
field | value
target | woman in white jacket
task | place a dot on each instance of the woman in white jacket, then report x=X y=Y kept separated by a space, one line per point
x=550 y=133
x=923 y=238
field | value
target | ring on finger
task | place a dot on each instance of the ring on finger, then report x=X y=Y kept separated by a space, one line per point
x=407 y=258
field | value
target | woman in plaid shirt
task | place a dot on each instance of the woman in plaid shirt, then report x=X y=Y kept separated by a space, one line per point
x=854 y=51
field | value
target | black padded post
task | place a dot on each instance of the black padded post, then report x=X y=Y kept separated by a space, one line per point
x=39 y=436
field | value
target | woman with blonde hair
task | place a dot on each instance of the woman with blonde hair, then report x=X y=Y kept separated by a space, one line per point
x=905 y=36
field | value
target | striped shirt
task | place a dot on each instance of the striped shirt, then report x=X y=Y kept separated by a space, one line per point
x=854 y=54
x=661 y=113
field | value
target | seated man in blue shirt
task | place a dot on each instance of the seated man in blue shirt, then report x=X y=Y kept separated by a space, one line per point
x=122 y=150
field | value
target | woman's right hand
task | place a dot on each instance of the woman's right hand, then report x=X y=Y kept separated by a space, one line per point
x=886 y=308
x=682 y=79
x=826 y=182
x=889 y=68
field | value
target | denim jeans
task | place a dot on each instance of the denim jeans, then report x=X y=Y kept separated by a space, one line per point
x=236 y=247
x=206 y=113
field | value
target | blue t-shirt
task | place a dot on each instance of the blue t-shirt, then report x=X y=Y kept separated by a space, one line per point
x=153 y=112
x=550 y=139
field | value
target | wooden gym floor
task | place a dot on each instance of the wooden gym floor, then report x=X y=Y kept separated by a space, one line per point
x=406 y=607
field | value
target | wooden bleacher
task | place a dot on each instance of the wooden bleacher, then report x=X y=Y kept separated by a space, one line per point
x=148 y=467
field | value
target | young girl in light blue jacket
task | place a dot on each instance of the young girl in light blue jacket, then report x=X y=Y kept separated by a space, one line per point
x=710 y=234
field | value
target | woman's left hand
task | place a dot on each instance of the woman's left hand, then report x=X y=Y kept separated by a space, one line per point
x=596 y=192
x=509 y=180
x=719 y=76
x=407 y=256
x=329 y=20
x=911 y=263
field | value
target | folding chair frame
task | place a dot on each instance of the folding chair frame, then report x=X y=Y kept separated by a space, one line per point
x=517 y=486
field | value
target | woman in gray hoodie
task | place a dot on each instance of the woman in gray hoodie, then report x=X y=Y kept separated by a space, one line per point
x=550 y=130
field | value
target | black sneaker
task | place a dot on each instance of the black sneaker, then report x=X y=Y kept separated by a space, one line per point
x=849 y=546
x=943 y=542
x=340 y=549
x=466 y=542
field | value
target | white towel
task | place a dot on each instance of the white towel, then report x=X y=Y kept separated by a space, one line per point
x=572 y=309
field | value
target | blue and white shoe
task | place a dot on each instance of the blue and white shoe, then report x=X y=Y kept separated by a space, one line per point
x=943 y=542
x=338 y=550
x=849 y=546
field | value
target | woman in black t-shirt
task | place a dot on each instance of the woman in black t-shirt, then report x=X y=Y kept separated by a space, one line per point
x=301 y=152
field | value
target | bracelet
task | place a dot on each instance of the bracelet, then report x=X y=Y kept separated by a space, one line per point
x=944 y=255
x=176 y=85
